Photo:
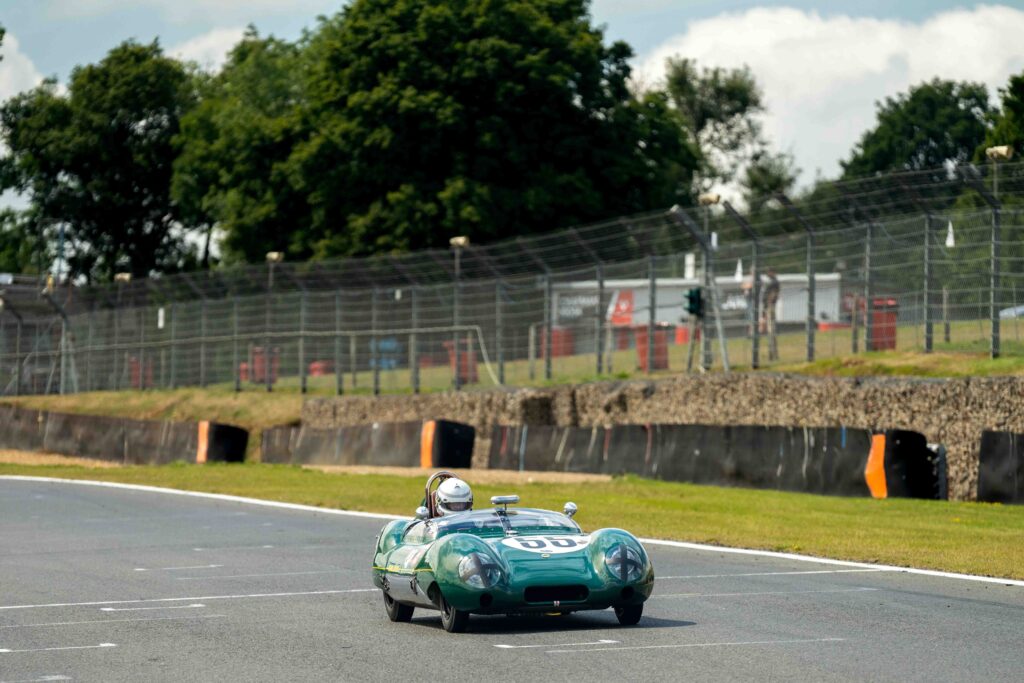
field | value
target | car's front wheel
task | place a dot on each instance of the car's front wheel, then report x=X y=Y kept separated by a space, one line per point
x=629 y=615
x=396 y=610
x=453 y=620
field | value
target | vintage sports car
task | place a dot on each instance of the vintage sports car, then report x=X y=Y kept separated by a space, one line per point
x=505 y=560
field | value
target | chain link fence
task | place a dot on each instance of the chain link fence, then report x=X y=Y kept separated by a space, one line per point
x=924 y=261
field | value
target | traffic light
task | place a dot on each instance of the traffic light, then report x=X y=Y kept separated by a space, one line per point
x=694 y=302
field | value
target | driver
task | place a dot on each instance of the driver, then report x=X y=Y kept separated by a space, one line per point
x=453 y=495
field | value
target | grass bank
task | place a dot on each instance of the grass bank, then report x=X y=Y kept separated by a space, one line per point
x=975 y=538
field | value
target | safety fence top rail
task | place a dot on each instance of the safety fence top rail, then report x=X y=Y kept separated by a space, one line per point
x=828 y=207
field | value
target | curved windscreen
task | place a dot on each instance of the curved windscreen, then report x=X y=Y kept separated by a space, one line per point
x=500 y=522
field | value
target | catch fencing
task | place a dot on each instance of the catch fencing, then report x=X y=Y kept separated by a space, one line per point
x=924 y=261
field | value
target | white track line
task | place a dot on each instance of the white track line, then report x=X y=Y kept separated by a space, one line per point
x=818 y=571
x=522 y=647
x=205 y=597
x=173 y=569
x=681 y=645
x=114 y=621
x=53 y=649
x=249 y=576
x=648 y=541
x=44 y=679
x=735 y=595
x=198 y=605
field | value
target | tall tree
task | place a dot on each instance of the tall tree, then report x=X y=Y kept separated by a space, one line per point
x=766 y=175
x=97 y=160
x=433 y=118
x=930 y=125
x=233 y=148
x=720 y=109
x=1008 y=123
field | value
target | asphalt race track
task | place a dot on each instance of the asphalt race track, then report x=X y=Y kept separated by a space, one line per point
x=103 y=584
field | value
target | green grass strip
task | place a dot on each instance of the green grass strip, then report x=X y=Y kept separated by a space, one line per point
x=972 y=538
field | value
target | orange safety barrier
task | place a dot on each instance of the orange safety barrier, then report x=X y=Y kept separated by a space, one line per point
x=874 y=471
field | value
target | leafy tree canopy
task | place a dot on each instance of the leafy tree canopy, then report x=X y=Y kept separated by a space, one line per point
x=433 y=118
x=98 y=160
x=932 y=124
x=1008 y=123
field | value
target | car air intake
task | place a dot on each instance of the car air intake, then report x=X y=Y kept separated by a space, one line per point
x=544 y=594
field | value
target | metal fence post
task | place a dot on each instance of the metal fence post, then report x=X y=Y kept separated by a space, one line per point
x=303 y=303
x=116 y=350
x=235 y=364
x=548 y=324
x=811 y=280
x=142 y=348
x=202 y=342
x=928 y=283
x=652 y=297
x=971 y=177
x=90 y=353
x=869 y=327
x=339 y=372
x=174 y=354
x=755 y=284
x=374 y=355
x=499 y=328
x=414 y=355
x=456 y=319
x=599 y=319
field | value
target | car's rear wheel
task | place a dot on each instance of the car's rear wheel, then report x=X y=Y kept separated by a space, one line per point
x=396 y=610
x=629 y=615
x=453 y=620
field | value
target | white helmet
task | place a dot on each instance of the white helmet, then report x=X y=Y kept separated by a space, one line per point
x=453 y=495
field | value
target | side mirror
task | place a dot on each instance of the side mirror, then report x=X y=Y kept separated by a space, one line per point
x=422 y=512
x=569 y=509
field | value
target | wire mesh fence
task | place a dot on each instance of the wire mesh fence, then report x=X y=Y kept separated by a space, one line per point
x=923 y=261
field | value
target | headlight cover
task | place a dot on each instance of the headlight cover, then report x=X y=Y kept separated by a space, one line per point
x=624 y=563
x=479 y=571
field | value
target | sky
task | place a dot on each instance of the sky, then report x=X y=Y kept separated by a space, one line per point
x=822 y=65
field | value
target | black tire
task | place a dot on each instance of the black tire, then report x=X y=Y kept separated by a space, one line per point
x=629 y=615
x=396 y=610
x=453 y=620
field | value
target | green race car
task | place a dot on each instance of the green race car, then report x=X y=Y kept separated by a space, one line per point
x=508 y=561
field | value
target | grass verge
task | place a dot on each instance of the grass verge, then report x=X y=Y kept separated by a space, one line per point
x=974 y=538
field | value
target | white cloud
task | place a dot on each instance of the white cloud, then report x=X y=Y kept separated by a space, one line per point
x=182 y=11
x=17 y=72
x=210 y=49
x=823 y=75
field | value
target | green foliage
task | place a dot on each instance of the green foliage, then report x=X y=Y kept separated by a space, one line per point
x=1008 y=124
x=767 y=175
x=233 y=147
x=720 y=110
x=429 y=119
x=932 y=124
x=18 y=243
x=98 y=159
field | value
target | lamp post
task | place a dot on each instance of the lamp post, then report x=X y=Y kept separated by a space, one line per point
x=995 y=155
x=458 y=244
x=273 y=258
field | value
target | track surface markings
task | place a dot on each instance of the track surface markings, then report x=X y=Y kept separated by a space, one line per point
x=819 y=571
x=734 y=595
x=54 y=649
x=521 y=647
x=42 y=679
x=140 y=609
x=740 y=643
x=205 y=597
x=250 y=576
x=173 y=569
x=113 y=621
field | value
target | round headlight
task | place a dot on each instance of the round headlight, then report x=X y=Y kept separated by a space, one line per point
x=624 y=563
x=479 y=571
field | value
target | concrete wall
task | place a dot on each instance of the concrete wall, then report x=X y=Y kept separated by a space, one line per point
x=953 y=412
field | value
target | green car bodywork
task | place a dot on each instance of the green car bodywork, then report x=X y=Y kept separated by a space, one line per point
x=512 y=561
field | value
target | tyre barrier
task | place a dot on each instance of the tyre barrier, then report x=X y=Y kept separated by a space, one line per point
x=434 y=443
x=1001 y=468
x=832 y=461
x=121 y=440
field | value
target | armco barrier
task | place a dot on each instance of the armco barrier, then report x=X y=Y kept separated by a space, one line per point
x=1001 y=468
x=835 y=461
x=137 y=442
x=434 y=443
